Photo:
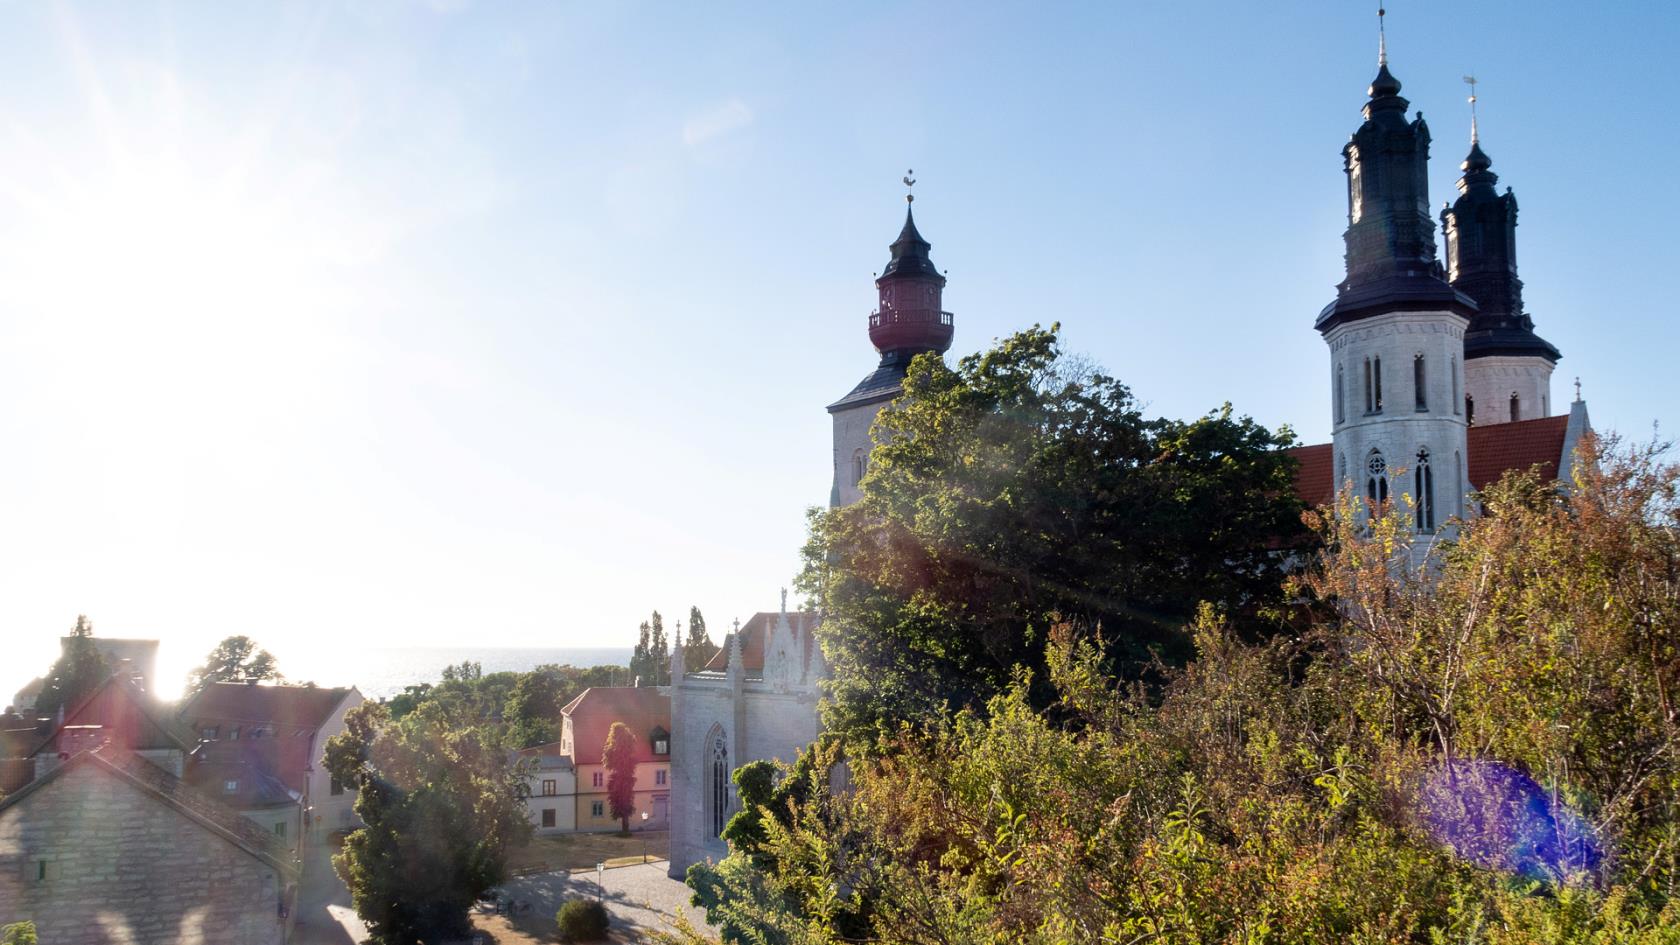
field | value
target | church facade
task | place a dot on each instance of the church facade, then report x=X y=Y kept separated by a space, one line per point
x=1439 y=385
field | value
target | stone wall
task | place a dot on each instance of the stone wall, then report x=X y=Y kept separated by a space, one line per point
x=91 y=859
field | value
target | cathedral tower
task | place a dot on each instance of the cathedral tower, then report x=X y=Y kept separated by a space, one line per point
x=1507 y=367
x=909 y=320
x=1396 y=327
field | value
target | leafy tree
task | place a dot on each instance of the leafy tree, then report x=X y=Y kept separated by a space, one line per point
x=442 y=807
x=698 y=649
x=650 y=661
x=235 y=659
x=1021 y=488
x=18 y=933
x=619 y=757
x=78 y=671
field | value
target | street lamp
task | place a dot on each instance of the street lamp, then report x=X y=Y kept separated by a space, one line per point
x=644 y=837
x=600 y=885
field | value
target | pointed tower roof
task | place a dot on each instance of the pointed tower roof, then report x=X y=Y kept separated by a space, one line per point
x=910 y=254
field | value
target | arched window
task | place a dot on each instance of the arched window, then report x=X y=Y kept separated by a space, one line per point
x=858 y=461
x=1469 y=410
x=1376 y=481
x=1370 y=401
x=1424 y=481
x=1338 y=393
x=716 y=797
x=1420 y=397
x=1452 y=367
x=1341 y=472
x=1376 y=382
x=1514 y=403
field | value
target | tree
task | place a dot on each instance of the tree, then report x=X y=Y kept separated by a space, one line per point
x=78 y=671
x=442 y=806
x=18 y=933
x=641 y=658
x=533 y=708
x=698 y=649
x=619 y=757
x=1021 y=488
x=650 y=661
x=235 y=659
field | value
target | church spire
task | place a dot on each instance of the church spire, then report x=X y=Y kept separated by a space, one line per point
x=1481 y=236
x=1390 y=238
x=910 y=319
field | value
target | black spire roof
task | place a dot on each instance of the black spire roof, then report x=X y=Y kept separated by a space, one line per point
x=910 y=253
x=1390 y=238
x=1481 y=234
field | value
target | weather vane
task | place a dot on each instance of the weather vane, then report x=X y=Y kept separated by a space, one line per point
x=1382 y=37
x=908 y=183
x=1470 y=80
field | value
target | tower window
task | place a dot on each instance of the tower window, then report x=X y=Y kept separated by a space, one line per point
x=1457 y=485
x=1452 y=367
x=1376 y=483
x=1338 y=393
x=718 y=793
x=1418 y=393
x=858 y=461
x=1514 y=406
x=1376 y=381
x=1424 y=482
x=1469 y=410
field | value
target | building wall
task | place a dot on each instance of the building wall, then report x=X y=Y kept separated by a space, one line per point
x=851 y=437
x=123 y=867
x=651 y=796
x=331 y=811
x=1492 y=380
x=563 y=801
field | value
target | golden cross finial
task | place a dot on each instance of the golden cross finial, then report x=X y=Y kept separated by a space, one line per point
x=908 y=183
x=1470 y=80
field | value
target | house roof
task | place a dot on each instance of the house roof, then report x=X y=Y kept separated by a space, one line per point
x=753 y=633
x=217 y=818
x=548 y=756
x=593 y=713
x=244 y=765
x=128 y=716
x=288 y=716
x=1493 y=451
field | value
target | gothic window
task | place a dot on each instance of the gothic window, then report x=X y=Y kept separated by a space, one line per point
x=1370 y=402
x=717 y=782
x=1452 y=366
x=1338 y=393
x=1376 y=382
x=1418 y=394
x=1425 y=486
x=1376 y=482
x=857 y=466
x=1341 y=471
x=1514 y=405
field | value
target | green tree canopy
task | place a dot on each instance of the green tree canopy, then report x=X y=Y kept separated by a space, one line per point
x=78 y=670
x=442 y=807
x=650 y=661
x=619 y=757
x=235 y=659
x=698 y=648
x=1021 y=488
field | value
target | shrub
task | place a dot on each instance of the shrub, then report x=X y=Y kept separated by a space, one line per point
x=582 y=920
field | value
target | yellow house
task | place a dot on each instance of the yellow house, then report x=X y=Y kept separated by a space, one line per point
x=585 y=722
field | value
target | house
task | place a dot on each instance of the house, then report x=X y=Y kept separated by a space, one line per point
x=552 y=781
x=281 y=731
x=585 y=722
x=238 y=777
x=110 y=847
x=120 y=713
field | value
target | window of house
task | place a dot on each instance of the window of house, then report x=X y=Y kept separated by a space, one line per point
x=280 y=830
x=208 y=733
x=550 y=788
x=230 y=786
x=662 y=746
x=1424 y=483
x=659 y=777
x=598 y=779
x=548 y=817
x=597 y=809
x=336 y=788
x=233 y=733
x=40 y=871
x=1514 y=405
x=1419 y=395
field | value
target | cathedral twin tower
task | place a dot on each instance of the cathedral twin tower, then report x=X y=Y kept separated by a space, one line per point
x=1419 y=352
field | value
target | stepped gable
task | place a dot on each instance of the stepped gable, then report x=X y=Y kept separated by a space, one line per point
x=212 y=815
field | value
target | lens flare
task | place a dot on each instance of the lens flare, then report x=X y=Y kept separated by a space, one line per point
x=1499 y=817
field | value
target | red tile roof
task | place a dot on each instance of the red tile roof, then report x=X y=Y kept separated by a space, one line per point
x=1505 y=446
x=1494 y=450
x=593 y=713
x=753 y=633
x=288 y=718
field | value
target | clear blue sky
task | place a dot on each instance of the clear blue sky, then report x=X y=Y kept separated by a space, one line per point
x=507 y=323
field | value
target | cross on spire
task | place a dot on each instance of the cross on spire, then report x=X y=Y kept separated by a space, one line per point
x=1577 y=389
x=1470 y=80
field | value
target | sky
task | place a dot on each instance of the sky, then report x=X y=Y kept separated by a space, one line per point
x=504 y=324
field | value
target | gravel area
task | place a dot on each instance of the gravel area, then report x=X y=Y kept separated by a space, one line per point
x=639 y=898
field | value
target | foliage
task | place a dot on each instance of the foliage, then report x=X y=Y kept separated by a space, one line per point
x=582 y=920
x=1479 y=745
x=651 y=659
x=18 y=933
x=698 y=648
x=442 y=806
x=619 y=758
x=235 y=659
x=515 y=710
x=78 y=671
x=1021 y=488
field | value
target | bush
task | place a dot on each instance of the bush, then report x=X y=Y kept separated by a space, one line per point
x=582 y=920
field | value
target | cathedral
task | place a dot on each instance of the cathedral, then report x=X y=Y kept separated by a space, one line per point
x=1438 y=386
